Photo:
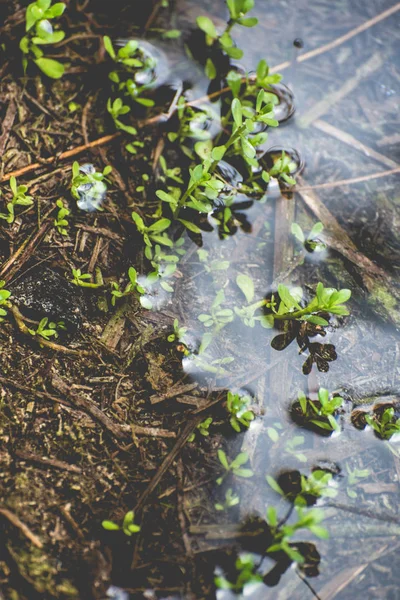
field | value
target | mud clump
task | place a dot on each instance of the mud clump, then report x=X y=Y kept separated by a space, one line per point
x=45 y=293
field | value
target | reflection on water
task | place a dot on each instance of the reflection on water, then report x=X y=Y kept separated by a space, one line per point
x=227 y=349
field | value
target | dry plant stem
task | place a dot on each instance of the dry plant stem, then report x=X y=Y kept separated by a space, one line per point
x=25 y=251
x=12 y=518
x=342 y=39
x=383 y=295
x=67 y=154
x=32 y=391
x=48 y=462
x=89 y=407
x=323 y=106
x=19 y=319
x=350 y=140
x=342 y=182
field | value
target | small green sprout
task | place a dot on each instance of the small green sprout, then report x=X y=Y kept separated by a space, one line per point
x=152 y=232
x=218 y=317
x=224 y=42
x=60 y=222
x=238 y=407
x=39 y=31
x=311 y=241
x=322 y=412
x=326 y=300
x=83 y=279
x=46 y=329
x=247 y=313
x=88 y=186
x=318 y=484
x=133 y=287
x=19 y=198
x=128 y=526
x=235 y=467
x=4 y=296
x=231 y=499
x=245 y=569
x=179 y=332
x=306 y=519
x=117 y=109
x=131 y=61
x=202 y=428
x=354 y=476
x=385 y=424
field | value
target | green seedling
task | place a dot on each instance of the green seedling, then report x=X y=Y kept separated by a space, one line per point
x=83 y=279
x=61 y=222
x=46 y=329
x=132 y=287
x=178 y=334
x=192 y=126
x=131 y=60
x=218 y=317
x=19 y=198
x=385 y=424
x=202 y=428
x=118 y=109
x=244 y=87
x=235 y=467
x=354 y=476
x=152 y=233
x=88 y=186
x=231 y=499
x=238 y=408
x=39 y=32
x=247 y=313
x=311 y=241
x=128 y=526
x=326 y=300
x=318 y=484
x=214 y=265
x=322 y=413
x=245 y=575
x=4 y=296
x=291 y=445
x=283 y=534
x=224 y=42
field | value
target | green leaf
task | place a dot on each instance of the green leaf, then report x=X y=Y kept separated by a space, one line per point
x=240 y=460
x=191 y=226
x=298 y=232
x=203 y=148
x=109 y=47
x=245 y=283
x=249 y=22
x=206 y=25
x=237 y=112
x=243 y=473
x=317 y=228
x=234 y=80
x=210 y=70
x=272 y=517
x=160 y=225
x=110 y=526
x=319 y=531
x=286 y=297
x=223 y=459
x=274 y=485
x=218 y=152
x=51 y=68
x=234 y=52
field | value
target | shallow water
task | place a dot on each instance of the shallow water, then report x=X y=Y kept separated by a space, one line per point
x=347 y=103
